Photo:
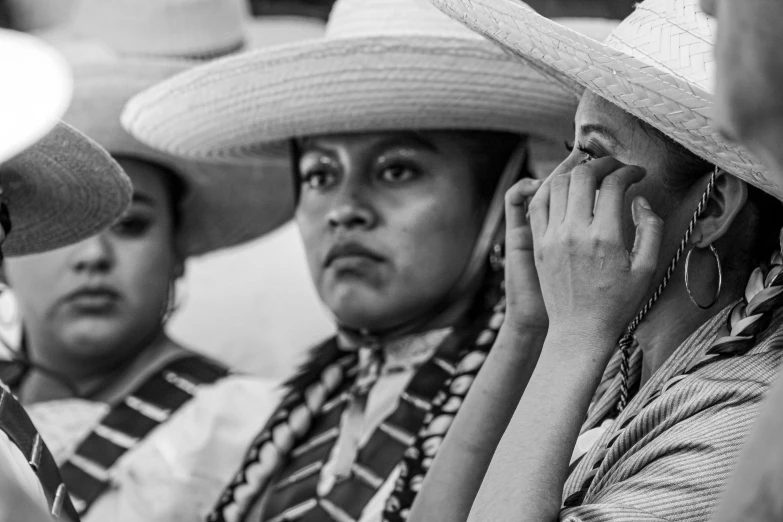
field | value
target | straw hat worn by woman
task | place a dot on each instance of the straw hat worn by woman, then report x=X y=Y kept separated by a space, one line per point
x=57 y=188
x=135 y=420
x=406 y=129
x=683 y=387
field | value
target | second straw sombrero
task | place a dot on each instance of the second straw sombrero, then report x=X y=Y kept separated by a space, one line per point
x=383 y=65
x=658 y=65
x=59 y=186
x=116 y=52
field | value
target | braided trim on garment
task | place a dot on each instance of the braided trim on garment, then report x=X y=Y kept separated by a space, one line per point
x=420 y=455
x=746 y=321
x=292 y=422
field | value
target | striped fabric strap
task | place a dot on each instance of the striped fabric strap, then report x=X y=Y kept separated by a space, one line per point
x=16 y=424
x=87 y=471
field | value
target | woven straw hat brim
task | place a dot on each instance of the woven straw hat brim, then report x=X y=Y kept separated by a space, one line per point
x=225 y=203
x=244 y=106
x=34 y=91
x=63 y=189
x=679 y=108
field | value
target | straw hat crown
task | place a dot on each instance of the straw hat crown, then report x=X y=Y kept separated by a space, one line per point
x=384 y=18
x=671 y=35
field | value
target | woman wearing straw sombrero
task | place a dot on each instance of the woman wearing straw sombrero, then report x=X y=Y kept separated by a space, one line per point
x=57 y=187
x=405 y=131
x=662 y=288
x=143 y=428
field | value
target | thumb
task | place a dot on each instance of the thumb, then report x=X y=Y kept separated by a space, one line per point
x=649 y=233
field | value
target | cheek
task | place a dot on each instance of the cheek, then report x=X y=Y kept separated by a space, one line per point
x=144 y=269
x=435 y=242
x=35 y=279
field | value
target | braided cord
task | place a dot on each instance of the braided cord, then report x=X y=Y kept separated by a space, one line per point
x=627 y=341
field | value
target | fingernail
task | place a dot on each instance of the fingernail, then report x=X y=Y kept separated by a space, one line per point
x=643 y=203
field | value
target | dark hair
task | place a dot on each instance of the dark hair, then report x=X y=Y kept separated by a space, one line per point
x=489 y=151
x=764 y=212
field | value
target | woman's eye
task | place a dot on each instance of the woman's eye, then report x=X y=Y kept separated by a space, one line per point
x=318 y=179
x=588 y=155
x=132 y=226
x=397 y=173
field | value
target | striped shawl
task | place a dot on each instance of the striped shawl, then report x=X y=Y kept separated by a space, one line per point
x=672 y=457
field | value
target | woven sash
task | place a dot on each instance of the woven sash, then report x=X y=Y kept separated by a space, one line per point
x=87 y=472
x=15 y=423
x=294 y=494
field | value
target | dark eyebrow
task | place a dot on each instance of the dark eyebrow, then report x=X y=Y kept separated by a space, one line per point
x=143 y=198
x=604 y=132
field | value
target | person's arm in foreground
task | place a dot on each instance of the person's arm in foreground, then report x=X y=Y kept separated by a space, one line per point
x=592 y=286
x=755 y=490
x=459 y=467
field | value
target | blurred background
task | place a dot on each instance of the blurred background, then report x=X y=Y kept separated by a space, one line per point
x=264 y=316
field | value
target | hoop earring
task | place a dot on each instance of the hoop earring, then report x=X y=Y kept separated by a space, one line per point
x=720 y=279
x=497 y=258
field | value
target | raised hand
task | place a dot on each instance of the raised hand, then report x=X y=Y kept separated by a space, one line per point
x=590 y=282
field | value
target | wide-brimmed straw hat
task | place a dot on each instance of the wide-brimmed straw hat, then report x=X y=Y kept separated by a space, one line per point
x=225 y=204
x=59 y=186
x=658 y=65
x=383 y=65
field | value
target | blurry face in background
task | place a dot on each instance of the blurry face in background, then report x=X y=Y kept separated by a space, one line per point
x=749 y=71
x=389 y=221
x=97 y=301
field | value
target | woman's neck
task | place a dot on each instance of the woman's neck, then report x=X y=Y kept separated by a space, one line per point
x=673 y=319
x=66 y=378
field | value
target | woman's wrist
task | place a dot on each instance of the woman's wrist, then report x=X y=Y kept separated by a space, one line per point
x=582 y=343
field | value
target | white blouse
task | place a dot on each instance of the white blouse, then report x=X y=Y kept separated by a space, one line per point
x=177 y=472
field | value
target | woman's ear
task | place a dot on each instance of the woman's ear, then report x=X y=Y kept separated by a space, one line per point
x=726 y=201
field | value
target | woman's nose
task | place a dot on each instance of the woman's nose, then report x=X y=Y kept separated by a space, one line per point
x=93 y=255
x=351 y=215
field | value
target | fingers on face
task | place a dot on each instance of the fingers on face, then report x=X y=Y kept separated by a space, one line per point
x=518 y=199
x=611 y=197
x=649 y=233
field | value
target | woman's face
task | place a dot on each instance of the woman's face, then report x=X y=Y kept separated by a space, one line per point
x=388 y=220
x=102 y=297
x=603 y=129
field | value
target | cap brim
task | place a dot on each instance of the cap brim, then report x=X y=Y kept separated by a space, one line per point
x=34 y=91
x=63 y=189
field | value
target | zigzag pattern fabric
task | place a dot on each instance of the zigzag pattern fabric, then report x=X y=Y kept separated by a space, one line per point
x=290 y=425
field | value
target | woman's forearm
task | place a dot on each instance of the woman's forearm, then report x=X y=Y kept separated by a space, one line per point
x=526 y=477
x=455 y=477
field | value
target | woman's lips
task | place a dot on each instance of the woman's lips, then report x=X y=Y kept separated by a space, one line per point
x=349 y=254
x=93 y=298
